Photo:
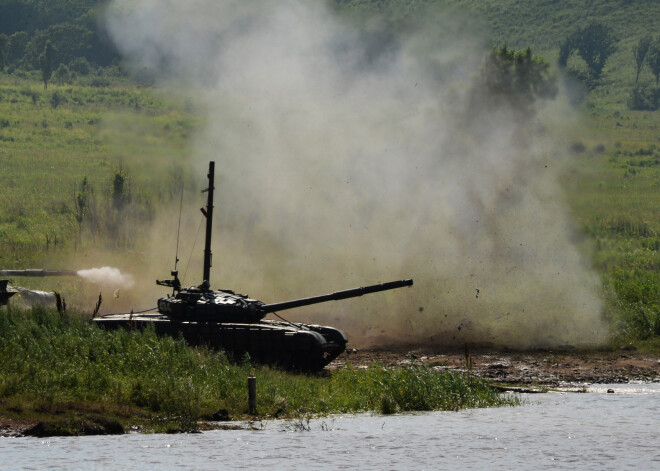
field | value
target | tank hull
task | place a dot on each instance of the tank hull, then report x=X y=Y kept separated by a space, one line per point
x=290 y=346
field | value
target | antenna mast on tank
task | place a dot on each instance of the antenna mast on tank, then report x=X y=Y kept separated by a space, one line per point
x=209 y=222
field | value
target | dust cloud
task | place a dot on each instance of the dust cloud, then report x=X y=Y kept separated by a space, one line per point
x=347 y=155
x=108 y=277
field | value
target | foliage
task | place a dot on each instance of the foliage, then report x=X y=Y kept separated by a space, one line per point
x=595 y=43
x=653 y=59
x=69 y=40
x=71 y=25
x=16 y=47
x=81 y=202
x=4 y=48
x=120 y=192
x=50 y=359
x=644 y=98
x=515 y=79
x=640 y=51
x=613 y=196
x=47 y=63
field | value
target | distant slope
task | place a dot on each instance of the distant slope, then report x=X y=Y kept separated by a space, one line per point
x=543 y=25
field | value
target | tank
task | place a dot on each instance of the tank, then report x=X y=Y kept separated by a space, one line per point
x=234 y=323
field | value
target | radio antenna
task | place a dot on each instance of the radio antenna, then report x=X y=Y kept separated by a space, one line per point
x=178 y=230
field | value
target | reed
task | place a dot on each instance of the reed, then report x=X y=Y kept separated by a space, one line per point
x=59 y=362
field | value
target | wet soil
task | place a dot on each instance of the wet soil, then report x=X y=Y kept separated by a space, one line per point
x=543 y=368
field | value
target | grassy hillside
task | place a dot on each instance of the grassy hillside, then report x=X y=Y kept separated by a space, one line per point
x=614 y=189
x=542 y=25
x=53 y=140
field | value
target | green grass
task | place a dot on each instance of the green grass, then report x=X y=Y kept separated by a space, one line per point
x=47 y=150
x=51 y=362
x=614 y=187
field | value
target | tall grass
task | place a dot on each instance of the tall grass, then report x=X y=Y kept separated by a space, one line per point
x=48 y=358
x=53 y=140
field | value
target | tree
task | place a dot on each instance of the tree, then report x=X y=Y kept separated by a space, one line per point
x=514 y=79
x=16 y=46
x=595 y=43
x=640 y=52
x=120 y=193
x=47 y=63
x=4 y=47
x=81 y=201
x=653 y=59
x=70 y=42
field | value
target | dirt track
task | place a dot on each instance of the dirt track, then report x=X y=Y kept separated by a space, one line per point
x=540 y=368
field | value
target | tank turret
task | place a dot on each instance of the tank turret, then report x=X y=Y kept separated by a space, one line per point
x=202 y=304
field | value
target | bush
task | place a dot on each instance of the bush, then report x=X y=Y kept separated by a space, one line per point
x=644 y=99
x=80 y=66
x=56 y=99
x=578 y=147
x=62 y=74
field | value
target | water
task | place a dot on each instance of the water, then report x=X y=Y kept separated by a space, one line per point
x=552 y=431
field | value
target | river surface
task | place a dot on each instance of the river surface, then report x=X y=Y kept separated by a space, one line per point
x=597 y=430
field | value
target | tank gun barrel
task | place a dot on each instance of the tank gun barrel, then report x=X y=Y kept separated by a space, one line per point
x=336 y=296
x=38 y=272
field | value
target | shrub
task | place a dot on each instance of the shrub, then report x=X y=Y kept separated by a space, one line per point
x=56 y=99
x=62 y=74
x=643 y=98
x=578 y=147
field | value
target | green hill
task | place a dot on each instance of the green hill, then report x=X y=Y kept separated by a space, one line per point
x=544 y=26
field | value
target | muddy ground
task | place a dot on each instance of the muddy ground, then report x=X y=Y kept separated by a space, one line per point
x=551 y=369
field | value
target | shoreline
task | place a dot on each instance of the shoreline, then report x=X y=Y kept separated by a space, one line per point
x=539 y=368
x=505 y=370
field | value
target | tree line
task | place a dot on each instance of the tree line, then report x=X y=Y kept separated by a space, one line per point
x=64 y=38
x=44 y=34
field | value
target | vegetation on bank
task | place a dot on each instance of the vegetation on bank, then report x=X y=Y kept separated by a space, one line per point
x=52 y=363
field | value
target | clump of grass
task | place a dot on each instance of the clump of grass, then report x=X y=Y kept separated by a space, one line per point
x=419 y=388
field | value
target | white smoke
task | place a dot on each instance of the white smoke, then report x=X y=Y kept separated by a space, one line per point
x=347 y=157
x=107 y=277
x=31 y=298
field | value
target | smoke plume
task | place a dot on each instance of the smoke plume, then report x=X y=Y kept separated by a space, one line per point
x=348 y=155
x=107 y=276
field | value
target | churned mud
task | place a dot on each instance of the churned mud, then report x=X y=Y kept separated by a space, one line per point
x=551 y=369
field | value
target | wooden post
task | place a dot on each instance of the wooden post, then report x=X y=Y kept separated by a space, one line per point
x=252 y=394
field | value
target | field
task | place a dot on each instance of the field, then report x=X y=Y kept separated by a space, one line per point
x=52 y=141
x=614 y=187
